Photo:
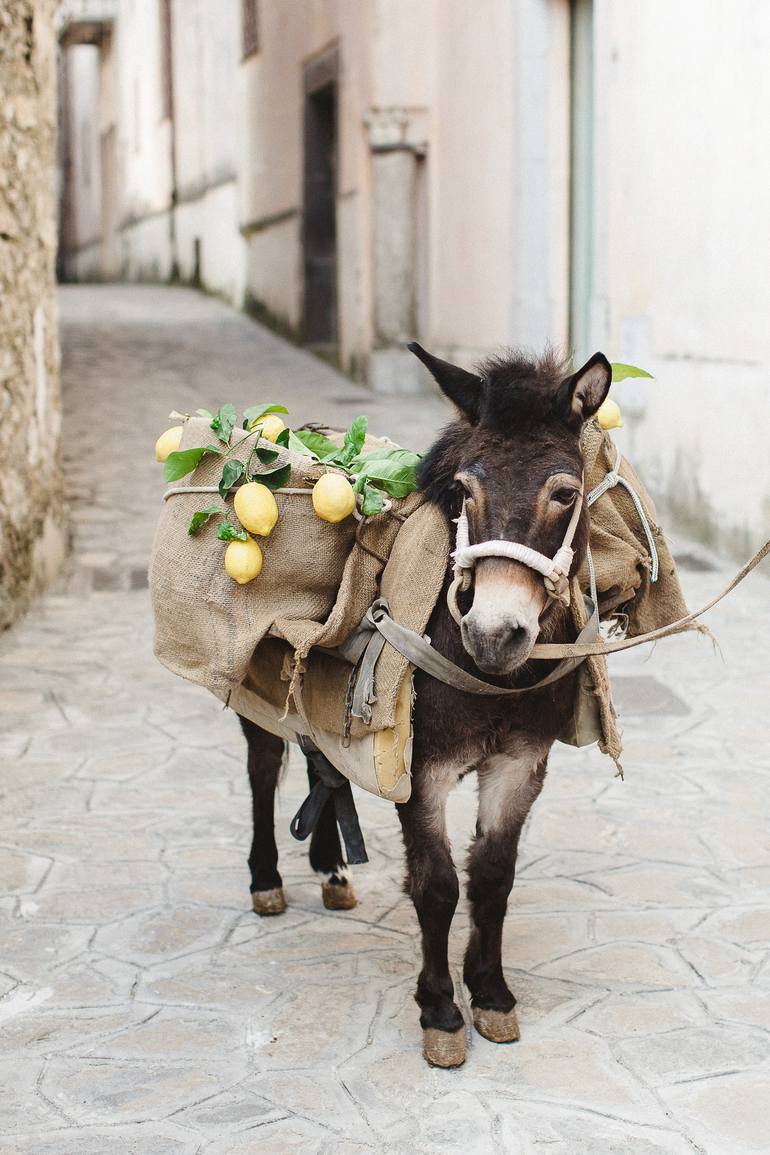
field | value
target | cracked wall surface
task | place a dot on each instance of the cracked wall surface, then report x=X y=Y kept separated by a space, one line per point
x=32 y=529
x=144 y=1007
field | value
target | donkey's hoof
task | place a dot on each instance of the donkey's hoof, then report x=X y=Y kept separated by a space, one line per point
x=497 y=1026
x=338 y=895
x=269 y=901
x=443 y=1048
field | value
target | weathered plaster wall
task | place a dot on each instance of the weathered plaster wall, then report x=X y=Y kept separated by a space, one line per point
x=682 y=279
x=32 y=525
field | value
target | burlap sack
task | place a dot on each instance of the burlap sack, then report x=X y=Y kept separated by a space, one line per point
x=619 y=546
x=318 y=581
x=411 y=581
x=315 y=586
x=622 y=567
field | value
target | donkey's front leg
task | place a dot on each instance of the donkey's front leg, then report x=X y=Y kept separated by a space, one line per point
x=432 y=883
x=508 y=786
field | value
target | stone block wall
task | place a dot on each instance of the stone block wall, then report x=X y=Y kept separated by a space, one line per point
x=33 y=532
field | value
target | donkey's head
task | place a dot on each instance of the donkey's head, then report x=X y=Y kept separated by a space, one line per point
x=514 y=456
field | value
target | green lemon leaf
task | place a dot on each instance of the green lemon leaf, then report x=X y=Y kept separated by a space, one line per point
x=283 y=437
x=394 y=470
x=275 y=479
x=252 y=415
x=621 y=371
x=266 y=456
x=223 y=421
x=336 y=457
x=316 y=443
x=232 y=472
x=297 y=446
x=184 y=461
x=204 y=413
x=354 y=438
x=228 y=532
x=373 y=501
x=395 y=453
x=200 y=518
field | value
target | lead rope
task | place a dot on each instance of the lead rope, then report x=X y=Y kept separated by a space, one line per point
x=612 y=479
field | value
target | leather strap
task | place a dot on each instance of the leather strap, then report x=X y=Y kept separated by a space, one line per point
x=552 y=650
x=329 y=784
x=421 y=653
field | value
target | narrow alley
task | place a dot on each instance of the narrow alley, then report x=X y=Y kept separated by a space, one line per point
x=157 y=1014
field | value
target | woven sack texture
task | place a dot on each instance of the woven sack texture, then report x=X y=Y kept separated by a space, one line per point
x=317 y=584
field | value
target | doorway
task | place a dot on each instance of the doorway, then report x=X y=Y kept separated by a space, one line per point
x=319 y=219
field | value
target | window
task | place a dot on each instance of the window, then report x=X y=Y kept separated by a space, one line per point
x=249 y=27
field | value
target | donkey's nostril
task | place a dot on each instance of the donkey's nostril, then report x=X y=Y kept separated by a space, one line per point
x=496 y=650
x=517 y=637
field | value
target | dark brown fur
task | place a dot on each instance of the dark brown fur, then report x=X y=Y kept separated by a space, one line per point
x=518 y=424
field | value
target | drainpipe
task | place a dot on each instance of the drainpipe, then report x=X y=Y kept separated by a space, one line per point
x=167 y=47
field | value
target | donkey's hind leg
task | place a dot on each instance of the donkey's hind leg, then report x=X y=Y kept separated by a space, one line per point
x=326 y=856
x=265 y=757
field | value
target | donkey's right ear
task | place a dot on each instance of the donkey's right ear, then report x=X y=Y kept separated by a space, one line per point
x=460 y=386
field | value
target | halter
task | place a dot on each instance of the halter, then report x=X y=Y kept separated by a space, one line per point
x=554 y=570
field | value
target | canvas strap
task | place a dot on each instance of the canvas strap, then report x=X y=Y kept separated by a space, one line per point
x=418 y=650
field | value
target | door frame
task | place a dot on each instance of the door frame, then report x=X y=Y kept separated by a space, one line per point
x=320 y=72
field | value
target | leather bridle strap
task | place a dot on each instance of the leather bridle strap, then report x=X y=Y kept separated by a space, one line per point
x=418 y=650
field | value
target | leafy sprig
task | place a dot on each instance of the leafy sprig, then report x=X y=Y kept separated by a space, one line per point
x=226 y=531
x=200 y=518
x=620 y=371
x=385 y=470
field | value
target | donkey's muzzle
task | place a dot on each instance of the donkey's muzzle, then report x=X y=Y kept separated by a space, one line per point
x=496 y=651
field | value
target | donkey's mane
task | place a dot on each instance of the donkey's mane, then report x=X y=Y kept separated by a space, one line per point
x=520 y=387
x=517 y=392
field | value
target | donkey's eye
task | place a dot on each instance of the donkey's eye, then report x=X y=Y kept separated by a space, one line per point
x=565 y=495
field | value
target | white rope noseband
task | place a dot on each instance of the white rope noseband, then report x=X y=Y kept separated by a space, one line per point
x=554 y=570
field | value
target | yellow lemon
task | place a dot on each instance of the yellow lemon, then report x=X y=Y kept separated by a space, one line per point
x=256 y=508
x=608 y=415
x=333 y=497
x=168 y=442
x=243 y=561
x=271 y=425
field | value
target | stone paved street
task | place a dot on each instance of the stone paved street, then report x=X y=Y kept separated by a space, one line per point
x=143 y=1007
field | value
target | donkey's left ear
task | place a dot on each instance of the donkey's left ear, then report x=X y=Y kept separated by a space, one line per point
x=581 y=394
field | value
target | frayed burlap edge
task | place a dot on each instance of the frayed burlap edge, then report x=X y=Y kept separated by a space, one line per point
x=611 y=741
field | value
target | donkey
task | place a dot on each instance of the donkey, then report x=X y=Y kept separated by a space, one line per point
x=512 y=458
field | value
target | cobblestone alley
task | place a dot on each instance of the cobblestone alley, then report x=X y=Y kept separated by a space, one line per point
x=146 y=1010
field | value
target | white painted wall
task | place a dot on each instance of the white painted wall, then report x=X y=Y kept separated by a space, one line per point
x=208 y=143
x=82 y=80
x=681 y=167
x=682 y=273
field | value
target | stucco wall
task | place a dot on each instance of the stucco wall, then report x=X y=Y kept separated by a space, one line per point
x=32 y=524
x=682 y=276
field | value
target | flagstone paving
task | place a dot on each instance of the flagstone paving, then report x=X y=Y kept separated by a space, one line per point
x=144 y=1008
